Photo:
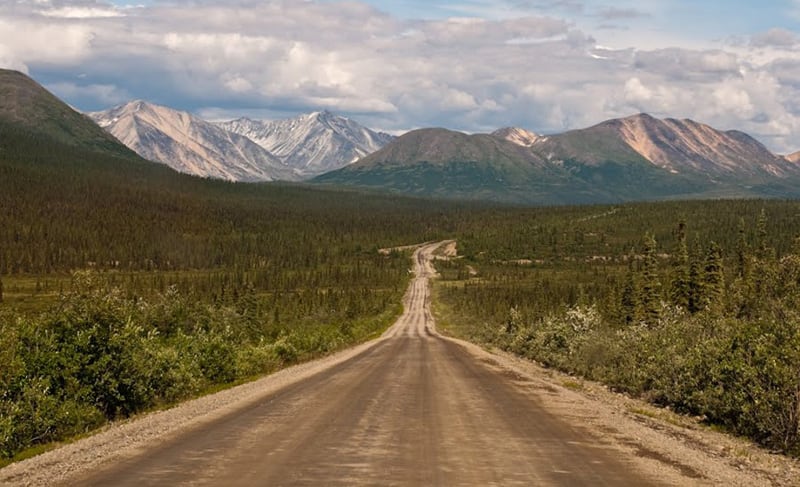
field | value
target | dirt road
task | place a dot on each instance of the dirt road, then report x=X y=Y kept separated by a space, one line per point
x=412 y=408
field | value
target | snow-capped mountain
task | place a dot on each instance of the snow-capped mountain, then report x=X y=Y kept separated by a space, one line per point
x=191 y=145
x=314 y=143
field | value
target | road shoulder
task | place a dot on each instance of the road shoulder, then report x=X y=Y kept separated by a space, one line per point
x=675 y=447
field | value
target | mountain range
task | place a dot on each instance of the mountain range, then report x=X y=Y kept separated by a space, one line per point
x=635 y=158
x=314 y=143
x=190 y=145
x=240 y=150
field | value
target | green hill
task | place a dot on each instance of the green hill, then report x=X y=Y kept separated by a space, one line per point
x=24 y=104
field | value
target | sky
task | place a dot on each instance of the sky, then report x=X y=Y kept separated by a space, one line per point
x=470 y=65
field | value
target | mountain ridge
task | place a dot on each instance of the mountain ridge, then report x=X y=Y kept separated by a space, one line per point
x=518 y=135
x=637 y=157
x=189 y=144
x=632 y=158
x=312 y=143
x=689 y=146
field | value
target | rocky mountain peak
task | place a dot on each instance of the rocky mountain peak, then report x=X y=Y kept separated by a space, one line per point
x=518 y=136
x=189 y=144
x=314 y=143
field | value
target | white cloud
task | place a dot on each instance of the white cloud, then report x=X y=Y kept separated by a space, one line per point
x=237 y=84
x=29 y=42
x=781 y=38
x=82 y=12
x=545 y=73
x=729 y=98
x=636 y=92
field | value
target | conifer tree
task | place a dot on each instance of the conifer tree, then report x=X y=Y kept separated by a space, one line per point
x=761 y=233
x=630 y=294
x=679 y=292
x=742 y=291
x=651 y=286
x=695 y=301
x=742 y=267
x=713 y=278
x=764 y=262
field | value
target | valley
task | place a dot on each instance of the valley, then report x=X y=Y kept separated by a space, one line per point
x=128 y=289
x=435 y=403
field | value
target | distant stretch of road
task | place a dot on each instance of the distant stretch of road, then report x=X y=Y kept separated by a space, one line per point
x=412 y=408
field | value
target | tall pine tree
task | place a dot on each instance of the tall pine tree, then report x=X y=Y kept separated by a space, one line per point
x=651 y=285
x=696 y=293
x=713 y=279
x=629 y=299
x=679 y=291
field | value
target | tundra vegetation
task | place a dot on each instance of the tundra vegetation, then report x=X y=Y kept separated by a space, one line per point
x=125 y=287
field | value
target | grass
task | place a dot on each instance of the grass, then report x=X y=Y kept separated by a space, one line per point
x=572 y=384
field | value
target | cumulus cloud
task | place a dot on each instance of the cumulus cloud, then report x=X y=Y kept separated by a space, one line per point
x=780 y=38
x=683 y=64
x=537 y=69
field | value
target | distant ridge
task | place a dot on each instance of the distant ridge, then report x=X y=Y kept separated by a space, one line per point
x=633 y=158
x=191 y=145
x=628 y=159
x=679 y=146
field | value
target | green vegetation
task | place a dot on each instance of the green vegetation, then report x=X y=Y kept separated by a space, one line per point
x=703 y=316
x=102 y=354
x=126 y=286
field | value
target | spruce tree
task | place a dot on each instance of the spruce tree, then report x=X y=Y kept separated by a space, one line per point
x=713 y=278
x=741 y=250
x=696 y=292
x=742 y=296
x=651 y=285
x=679 y=291
x=764 y=267
x=629 y=299
x=761 y=233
